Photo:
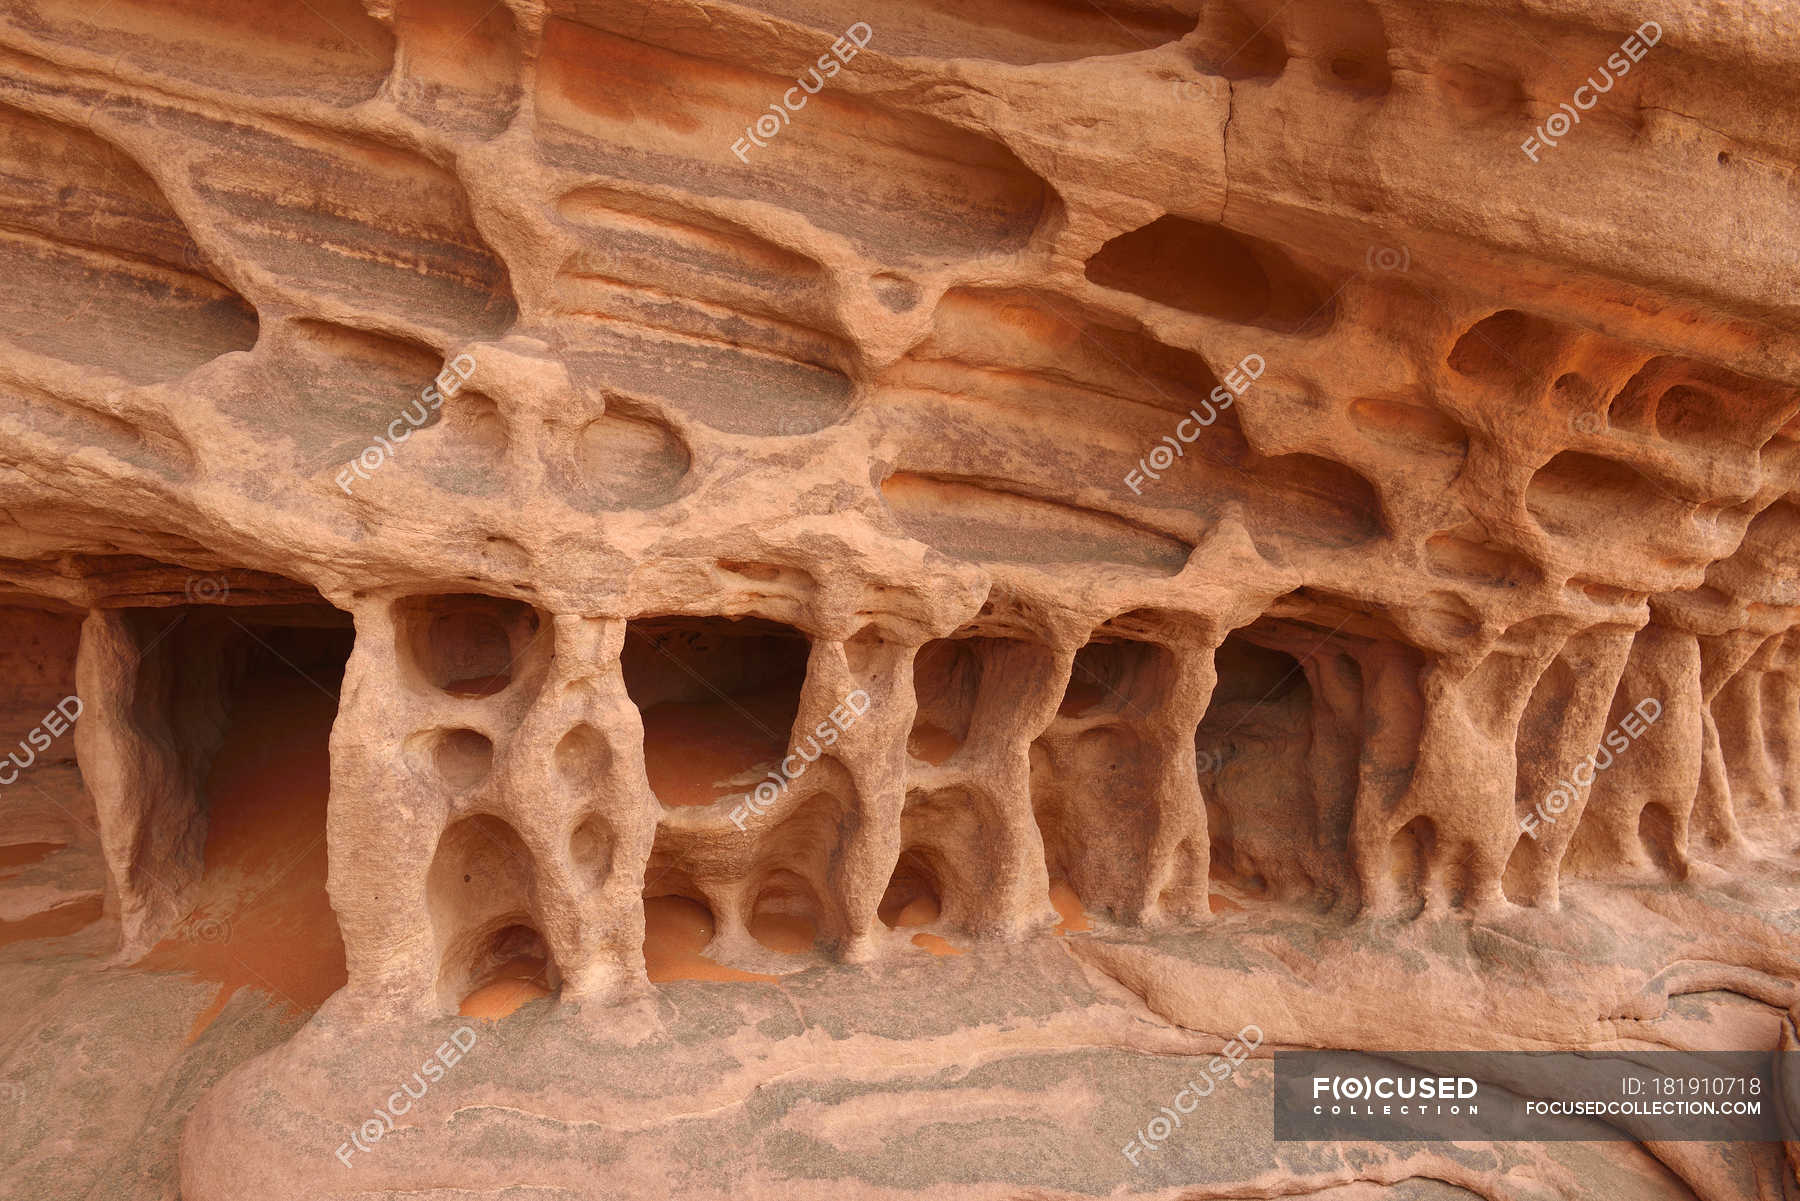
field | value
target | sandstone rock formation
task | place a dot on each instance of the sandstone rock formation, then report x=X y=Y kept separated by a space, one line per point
x=1026 y=537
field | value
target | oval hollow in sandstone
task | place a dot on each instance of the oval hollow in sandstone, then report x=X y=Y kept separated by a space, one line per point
x=1213 y=271
x=785 y=914
x=629 y=463
x=459 y=758
x=591 y=849
x=469 y=646
x=1507 y=348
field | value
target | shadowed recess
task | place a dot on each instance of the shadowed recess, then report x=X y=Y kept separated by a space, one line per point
x=1117 y=678
x=1349 y=43
x=1468 y=558
x=1575 y=493
x=1660 y=836
x=1698 y=405
x=1215 y=272
x=338 y=389
x=513 y=969
x=1037 y=389
x=1507 y=348
x=1228 y=42
x=480 y=890
x=78 y=427
x=1415 y=426
x=968 y=688
x=718 y=698
x=466 y=450
x=1410 y=863
x=950 y=836
x=946 y=681
x=803 y=852
x=1253 y=751
x=785 y=915
x=1516 y=882
x=458 y=759
x=591 y=850
x=678 y=927
x=1305 y=498
x=1091 y=794
x=1027 y=342
x=1482 y=91
x=684 y=307
x=249 y=699
x=913 y=896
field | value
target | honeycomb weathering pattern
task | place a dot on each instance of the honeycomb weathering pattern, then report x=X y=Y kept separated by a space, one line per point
x=1189 y=453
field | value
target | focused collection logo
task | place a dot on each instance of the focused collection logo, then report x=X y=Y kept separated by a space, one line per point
x=1405 y=1095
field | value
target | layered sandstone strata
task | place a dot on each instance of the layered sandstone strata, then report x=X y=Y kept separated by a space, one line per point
x=1201 y=458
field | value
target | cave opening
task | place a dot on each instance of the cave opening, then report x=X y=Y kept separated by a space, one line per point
x=480 y=893
x=680 y=927
x=1116 y=678
x=967 y=691
x=1253 y=750
x=246 y=696
x=785 y=915
x=1093 y=772
x=946 y=682
x=718 y=697
x=913 y=896
x=52 y=875
x=513 y=967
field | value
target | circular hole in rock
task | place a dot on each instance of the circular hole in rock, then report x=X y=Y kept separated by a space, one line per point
x=519 y=973
x=466 y=645
x=462 y=758
x=582 y=757
x=911 y=898
x=785 y=916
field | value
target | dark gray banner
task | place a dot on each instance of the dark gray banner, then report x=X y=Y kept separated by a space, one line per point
x=1535 y=1096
